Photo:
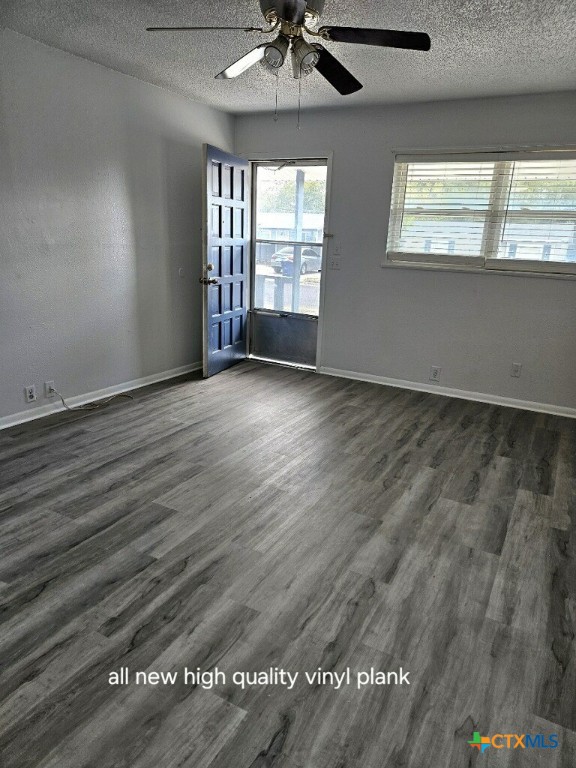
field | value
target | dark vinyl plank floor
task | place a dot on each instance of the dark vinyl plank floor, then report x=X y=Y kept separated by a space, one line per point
x=274 y=518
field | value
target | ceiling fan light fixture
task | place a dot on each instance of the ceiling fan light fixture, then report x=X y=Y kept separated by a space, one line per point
x=304 y=57
x=291 y=19
x=275 y=53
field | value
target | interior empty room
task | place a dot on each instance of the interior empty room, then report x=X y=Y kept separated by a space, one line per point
x=287 y=384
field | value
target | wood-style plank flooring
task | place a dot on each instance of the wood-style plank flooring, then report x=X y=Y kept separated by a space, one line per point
x=270 y=517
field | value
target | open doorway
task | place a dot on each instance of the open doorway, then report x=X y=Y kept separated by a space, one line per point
x=288 y=209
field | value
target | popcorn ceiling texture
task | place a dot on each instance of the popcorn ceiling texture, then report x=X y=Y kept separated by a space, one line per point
x=479 y=49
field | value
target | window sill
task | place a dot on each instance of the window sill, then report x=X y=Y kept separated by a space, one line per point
x=427 y=267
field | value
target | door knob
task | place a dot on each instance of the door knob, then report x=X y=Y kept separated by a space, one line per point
x=208 y=280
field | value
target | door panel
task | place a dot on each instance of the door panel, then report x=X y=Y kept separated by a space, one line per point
x=225 y=265
x=286 y=338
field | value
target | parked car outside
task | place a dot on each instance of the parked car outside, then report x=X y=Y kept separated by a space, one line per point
x=283 y=260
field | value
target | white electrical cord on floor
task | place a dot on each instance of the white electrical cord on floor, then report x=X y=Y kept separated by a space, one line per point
x=91 y=406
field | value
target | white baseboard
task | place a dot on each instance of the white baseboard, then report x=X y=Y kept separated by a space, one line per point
x=90 y=397
x=509 y=402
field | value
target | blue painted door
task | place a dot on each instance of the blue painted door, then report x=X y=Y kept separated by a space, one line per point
x=225 y=262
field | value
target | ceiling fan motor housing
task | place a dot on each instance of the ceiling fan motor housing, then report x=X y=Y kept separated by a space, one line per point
x=292 y=11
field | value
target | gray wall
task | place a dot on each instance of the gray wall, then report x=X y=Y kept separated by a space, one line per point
x=100 y=207
x=396 y=323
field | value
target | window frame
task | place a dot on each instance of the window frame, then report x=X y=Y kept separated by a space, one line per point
x=495 y=221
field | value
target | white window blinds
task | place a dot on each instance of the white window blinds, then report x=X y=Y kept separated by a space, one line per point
x=499 y=213
x=539 y=222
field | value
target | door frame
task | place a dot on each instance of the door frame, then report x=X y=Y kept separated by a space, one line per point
x=264 y=157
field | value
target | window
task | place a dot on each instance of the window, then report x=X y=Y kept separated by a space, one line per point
x=490 y=210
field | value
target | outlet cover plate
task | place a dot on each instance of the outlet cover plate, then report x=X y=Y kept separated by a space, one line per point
x=516 y=370
x=49 y=389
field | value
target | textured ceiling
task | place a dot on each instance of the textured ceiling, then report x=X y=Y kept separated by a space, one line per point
x=479 y=48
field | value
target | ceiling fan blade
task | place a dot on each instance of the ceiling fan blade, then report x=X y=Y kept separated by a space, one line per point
x=192 y=29
x=244 y=63
x=336 y=73
x=390 y=38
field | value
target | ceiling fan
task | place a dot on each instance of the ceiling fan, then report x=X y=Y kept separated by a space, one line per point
x=291 y=19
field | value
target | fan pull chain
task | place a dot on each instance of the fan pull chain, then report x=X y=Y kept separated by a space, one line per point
x=276 y=108
x=299 y=100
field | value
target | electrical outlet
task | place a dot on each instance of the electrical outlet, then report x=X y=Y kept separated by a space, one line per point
x=516 y=370
x=30 y=393
x=435 y=371
x=49 y=389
